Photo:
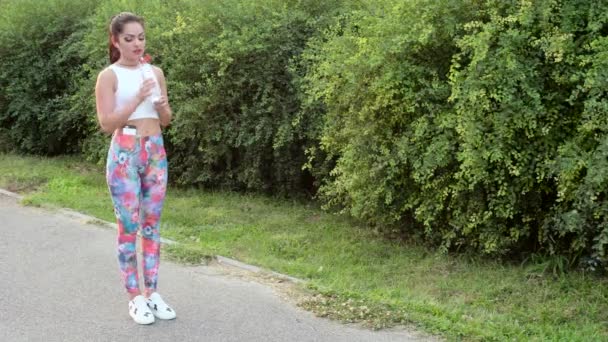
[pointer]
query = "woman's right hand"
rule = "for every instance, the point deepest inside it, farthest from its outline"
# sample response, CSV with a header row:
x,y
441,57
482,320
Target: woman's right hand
x,y
145,90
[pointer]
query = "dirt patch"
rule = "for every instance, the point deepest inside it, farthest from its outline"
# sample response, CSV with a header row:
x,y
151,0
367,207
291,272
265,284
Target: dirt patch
x,y
25,187
345,310
286,290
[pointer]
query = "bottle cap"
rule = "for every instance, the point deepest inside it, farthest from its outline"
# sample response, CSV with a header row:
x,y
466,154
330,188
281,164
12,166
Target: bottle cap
x,y
146,58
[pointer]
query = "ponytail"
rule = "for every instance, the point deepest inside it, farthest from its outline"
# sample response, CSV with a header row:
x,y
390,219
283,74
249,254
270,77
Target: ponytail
x,y
114,52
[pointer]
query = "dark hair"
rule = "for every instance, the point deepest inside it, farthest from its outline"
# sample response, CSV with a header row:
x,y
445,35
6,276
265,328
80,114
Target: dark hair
x,y
117,24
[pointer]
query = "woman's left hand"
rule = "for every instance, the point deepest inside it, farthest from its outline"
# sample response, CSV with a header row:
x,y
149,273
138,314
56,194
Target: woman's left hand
x,y
162,104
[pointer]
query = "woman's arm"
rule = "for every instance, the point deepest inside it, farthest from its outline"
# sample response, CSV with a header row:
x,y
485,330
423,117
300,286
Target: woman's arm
x,y
109,120
162,106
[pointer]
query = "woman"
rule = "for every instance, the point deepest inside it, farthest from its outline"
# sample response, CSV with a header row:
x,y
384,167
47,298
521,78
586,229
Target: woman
x,y
137,164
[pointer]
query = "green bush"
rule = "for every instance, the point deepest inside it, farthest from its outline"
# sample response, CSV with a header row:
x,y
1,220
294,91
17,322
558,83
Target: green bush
x,y
231,85
236,97
382,75
578,221
525,101
480,124
39,42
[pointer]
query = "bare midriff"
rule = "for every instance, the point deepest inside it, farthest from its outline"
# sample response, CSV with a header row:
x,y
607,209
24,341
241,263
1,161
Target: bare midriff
x,y
146,126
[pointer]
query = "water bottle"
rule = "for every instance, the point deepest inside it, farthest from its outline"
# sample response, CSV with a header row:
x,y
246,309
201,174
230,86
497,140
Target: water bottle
x,y
148,73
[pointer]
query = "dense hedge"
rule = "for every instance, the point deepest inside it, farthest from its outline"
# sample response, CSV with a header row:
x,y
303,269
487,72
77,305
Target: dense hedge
x,y
479,124
473,124
235,94
388,122
231,78
39,63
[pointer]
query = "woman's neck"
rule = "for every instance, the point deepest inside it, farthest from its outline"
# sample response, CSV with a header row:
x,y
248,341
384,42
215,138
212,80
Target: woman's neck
x,y
127,63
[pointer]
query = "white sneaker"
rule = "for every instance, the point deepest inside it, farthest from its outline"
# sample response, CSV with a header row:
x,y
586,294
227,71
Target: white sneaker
x,y
159,307
139,311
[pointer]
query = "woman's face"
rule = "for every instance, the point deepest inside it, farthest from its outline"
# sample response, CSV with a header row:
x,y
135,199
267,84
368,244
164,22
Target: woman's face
x,y
131,42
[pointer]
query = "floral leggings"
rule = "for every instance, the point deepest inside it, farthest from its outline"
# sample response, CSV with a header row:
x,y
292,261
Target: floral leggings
x,y
136,172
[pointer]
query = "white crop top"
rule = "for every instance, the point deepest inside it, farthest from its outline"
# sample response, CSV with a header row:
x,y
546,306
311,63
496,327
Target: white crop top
x,y
129,82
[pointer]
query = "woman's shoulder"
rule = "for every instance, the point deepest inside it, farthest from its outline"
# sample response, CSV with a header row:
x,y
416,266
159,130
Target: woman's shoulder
x,y
107,70
107,75
156,68
158,71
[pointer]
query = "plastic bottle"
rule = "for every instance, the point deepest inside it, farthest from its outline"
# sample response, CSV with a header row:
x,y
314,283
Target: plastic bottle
x,y
148,73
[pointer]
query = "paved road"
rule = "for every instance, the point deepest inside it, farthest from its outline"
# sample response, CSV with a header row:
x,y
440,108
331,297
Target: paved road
x,y
59,281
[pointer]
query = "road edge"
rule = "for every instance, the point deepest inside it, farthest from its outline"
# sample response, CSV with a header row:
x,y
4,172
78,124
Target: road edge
x,y
219,258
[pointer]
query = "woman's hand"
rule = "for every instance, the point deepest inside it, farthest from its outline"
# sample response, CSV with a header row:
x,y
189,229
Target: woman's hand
x,y
162,105
145,90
